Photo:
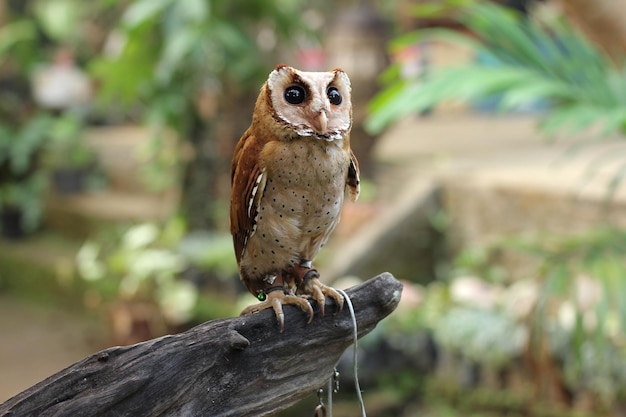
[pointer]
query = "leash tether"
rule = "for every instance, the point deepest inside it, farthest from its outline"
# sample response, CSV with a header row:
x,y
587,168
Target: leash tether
x,y
355,335
333,381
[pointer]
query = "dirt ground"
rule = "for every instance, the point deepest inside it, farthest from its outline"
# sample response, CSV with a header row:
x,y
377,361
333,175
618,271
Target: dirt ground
x,y
37,341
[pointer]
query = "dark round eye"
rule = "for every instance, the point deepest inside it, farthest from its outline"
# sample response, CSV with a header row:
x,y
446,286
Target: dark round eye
x,y
294,94
334,96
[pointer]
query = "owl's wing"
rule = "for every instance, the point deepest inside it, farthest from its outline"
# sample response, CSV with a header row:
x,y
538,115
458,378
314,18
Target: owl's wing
x,y
353,182
248,182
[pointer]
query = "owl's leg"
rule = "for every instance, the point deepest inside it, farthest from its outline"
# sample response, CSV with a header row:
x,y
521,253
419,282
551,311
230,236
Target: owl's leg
x,y
275,298
313,287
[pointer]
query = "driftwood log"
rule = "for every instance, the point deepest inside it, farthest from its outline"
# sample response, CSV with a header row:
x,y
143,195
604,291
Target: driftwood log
x,y
241,366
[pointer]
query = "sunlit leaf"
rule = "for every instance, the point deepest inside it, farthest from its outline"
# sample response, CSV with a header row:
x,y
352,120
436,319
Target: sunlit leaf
x,y
59,18
143,10
176,47
397,101
194,10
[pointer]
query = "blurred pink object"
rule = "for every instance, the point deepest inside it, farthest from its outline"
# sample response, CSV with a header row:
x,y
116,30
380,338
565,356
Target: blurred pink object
x,y
312,59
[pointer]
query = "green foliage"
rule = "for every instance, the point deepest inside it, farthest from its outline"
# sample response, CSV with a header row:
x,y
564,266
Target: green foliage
x,y
573,302
211,306
579,304
435,303
19,146
66,146
196,45
25,132
547,61
59,18
597,254
487,337
26,196
15,38
141,264
145,263
211,252
184,65
21,185
59,22
160,161
20,52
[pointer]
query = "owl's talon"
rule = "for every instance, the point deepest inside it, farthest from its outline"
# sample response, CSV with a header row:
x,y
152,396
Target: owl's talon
x,y
275,300
319,291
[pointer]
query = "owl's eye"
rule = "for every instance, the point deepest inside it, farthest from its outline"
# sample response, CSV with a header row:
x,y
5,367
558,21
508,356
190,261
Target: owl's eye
x,y
334,96
294,94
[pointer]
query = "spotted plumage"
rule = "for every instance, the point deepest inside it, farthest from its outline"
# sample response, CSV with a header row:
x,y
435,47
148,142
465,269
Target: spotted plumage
x,y
290,172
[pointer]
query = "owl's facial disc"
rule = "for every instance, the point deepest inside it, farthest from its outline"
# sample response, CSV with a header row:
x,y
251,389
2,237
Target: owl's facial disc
x,y
315,104
314,111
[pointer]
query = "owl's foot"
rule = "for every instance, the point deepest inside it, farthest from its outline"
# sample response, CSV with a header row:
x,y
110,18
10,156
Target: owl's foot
x,y
313,287
276,300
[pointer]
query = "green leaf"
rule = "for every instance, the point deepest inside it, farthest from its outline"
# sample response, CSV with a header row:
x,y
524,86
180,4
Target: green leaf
x,y
27,141
572,119
142,10
59,18
193,10
128,77
177,46
390,75
614,122
13,33
558,281
392,104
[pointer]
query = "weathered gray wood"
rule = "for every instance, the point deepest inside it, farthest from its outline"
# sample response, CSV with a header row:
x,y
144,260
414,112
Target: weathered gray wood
x,y
240,366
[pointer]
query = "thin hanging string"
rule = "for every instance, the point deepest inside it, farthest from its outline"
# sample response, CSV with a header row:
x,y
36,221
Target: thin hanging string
x,y
330,390
354,358
333,382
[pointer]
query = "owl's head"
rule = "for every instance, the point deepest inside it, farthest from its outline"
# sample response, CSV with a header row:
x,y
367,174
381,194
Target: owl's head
x,y
316,104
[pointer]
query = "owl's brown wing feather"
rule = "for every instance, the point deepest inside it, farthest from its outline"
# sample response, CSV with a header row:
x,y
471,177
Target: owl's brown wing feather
x,y
353,181
248,182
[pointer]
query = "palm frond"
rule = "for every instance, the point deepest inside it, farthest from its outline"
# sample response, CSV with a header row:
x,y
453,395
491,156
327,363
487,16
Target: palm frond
x,y
535,61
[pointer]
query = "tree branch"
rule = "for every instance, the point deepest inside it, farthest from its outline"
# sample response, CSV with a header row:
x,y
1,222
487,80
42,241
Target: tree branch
x,y
230,367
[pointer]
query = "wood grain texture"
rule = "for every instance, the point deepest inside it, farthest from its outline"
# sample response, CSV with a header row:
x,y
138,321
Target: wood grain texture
x,y
239,366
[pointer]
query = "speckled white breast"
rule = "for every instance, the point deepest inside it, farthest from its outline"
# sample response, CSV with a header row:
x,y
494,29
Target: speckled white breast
x,y
300,206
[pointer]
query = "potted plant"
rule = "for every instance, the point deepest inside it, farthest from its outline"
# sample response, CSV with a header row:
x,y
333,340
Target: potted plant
x,y
68,156
21,206
22,183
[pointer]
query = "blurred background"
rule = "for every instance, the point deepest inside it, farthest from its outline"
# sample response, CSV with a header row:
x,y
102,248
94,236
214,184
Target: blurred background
x,y
491,141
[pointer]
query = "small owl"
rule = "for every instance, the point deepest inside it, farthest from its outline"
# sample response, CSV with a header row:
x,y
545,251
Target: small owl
x,y
290,172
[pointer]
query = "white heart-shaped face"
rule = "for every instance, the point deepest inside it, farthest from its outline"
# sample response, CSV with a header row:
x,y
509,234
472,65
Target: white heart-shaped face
x,y
312,103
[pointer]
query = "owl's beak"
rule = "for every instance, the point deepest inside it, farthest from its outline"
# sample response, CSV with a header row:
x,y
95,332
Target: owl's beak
x,y
320,122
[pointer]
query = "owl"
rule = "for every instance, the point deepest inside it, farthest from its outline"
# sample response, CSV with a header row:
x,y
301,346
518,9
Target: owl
x,y
290,172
